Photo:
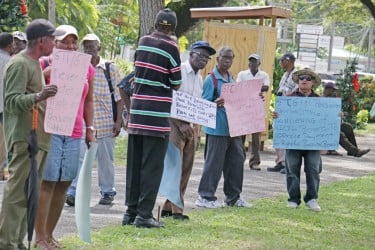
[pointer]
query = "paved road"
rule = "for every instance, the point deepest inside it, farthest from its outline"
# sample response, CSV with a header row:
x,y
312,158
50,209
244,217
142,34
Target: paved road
x,y
257,184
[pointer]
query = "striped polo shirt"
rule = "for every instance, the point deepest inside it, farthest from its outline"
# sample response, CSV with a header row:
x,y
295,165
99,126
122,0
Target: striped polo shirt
x,y
157,70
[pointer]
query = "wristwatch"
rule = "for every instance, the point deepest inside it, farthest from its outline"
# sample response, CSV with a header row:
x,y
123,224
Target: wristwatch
x,y
90,128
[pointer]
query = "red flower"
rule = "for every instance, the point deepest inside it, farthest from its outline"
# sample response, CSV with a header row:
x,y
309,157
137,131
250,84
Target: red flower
x,y
355,82
354,108
23,7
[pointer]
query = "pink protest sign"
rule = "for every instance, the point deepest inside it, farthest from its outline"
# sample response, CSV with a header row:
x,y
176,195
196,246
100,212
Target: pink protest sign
x,y
68,72
244,107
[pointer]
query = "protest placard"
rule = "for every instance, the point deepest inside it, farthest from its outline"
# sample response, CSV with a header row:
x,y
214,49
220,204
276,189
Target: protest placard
x,y
69,73
192,109
311,123
244,107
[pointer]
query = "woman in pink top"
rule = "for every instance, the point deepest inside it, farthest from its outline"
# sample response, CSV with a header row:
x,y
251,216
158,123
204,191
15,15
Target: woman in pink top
x,y
63,157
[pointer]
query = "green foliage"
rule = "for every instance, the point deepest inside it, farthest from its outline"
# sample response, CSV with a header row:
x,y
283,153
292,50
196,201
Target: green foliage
x,y
277,73
347,93
11,18
366,96
362,119
80,14
123,66
346,222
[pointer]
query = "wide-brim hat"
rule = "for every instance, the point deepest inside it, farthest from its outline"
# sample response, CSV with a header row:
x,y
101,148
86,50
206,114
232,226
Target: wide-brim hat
x,y
309,72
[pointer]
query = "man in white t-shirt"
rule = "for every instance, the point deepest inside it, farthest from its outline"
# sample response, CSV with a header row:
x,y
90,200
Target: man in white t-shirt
x,y
253,73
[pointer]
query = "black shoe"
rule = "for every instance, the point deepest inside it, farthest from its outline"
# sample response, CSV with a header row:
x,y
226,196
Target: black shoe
x,y
276,168
362,152
283,171
148,223
128,219
166,213
106,199
179,216
70,200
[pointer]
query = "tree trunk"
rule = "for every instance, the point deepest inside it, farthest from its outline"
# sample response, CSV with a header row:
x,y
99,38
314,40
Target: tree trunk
x,y
147,13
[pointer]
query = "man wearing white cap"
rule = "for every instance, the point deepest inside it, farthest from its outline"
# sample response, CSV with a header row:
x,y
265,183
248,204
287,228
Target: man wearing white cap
x,y
107,124
19,41
253,73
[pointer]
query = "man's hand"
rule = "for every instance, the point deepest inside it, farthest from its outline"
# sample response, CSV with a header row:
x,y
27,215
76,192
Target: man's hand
x,y
219,102
48,91
116,129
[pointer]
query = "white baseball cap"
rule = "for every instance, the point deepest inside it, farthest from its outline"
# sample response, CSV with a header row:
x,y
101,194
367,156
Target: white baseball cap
x,y
19,35
69,30
90,37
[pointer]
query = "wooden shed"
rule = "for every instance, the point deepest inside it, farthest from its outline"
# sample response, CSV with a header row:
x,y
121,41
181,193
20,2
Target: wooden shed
x,y
245,39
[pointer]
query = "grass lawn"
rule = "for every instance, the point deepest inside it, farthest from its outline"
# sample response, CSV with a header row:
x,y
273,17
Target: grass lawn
x,y
347,221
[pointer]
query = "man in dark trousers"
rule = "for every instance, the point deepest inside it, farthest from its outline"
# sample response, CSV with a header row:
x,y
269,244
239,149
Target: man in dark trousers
x,y
157,73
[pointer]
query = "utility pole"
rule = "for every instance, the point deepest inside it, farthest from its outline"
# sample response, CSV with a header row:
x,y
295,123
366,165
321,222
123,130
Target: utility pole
x,y
370,43
331,47
52,11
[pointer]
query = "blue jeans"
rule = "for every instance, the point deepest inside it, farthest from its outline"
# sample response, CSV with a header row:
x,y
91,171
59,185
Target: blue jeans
x,y
73,185
312,168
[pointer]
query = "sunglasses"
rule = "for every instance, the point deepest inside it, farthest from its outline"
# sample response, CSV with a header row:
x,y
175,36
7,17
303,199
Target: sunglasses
x,y
201,55
307,78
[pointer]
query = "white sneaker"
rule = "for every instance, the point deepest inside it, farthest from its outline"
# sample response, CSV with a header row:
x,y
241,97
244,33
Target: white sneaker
x,y
313,205
202,202
241,203
292,204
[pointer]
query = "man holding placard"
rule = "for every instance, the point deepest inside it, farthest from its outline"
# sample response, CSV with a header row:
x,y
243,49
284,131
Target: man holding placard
x,y
254,73
224,154
306,79
184,135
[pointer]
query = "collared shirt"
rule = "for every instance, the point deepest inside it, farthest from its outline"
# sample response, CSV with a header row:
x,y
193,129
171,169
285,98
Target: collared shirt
x,y
287,85
192,83
247,75
297,92
103,114
157,70
4,58
222,128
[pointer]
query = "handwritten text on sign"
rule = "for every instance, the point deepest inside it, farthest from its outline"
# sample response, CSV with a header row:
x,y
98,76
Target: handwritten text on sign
x,y
69,73
244,107
192,109
307,123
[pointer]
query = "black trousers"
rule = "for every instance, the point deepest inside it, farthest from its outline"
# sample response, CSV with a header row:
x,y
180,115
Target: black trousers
x,y
144,170
347,139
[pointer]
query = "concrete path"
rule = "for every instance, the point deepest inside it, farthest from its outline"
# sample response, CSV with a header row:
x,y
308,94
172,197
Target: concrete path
x,y
257,184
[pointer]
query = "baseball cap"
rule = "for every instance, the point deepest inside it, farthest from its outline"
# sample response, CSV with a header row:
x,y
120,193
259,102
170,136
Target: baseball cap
x,y
166,17
19,35
203,45
288,56
40,28
68,29
90,37
330,85
255,56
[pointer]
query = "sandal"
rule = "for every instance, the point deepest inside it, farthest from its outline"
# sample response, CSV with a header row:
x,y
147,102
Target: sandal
x,y
57,244
255,166
43,245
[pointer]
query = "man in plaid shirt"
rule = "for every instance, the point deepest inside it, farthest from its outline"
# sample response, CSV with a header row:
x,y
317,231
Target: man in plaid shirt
x,y
106,127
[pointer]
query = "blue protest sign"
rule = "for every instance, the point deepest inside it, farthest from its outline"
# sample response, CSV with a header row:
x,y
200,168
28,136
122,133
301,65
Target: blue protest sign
x,y
307,123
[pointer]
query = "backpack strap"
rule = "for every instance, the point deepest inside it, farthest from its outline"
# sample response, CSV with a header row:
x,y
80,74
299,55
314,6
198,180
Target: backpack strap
x,y
216,94
107,73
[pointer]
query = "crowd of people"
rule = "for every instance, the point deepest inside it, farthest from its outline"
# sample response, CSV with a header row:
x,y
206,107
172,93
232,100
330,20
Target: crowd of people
x,y
25,64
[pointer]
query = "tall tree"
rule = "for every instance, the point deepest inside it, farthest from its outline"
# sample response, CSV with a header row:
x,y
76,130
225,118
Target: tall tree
x,y
147,12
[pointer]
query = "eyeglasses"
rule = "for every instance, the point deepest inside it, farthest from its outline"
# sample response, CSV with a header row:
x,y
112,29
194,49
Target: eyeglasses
x,y
307,78
202,55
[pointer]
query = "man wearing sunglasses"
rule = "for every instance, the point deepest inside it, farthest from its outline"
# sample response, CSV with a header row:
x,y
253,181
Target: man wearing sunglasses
x,y
286,86
184,135
307,79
